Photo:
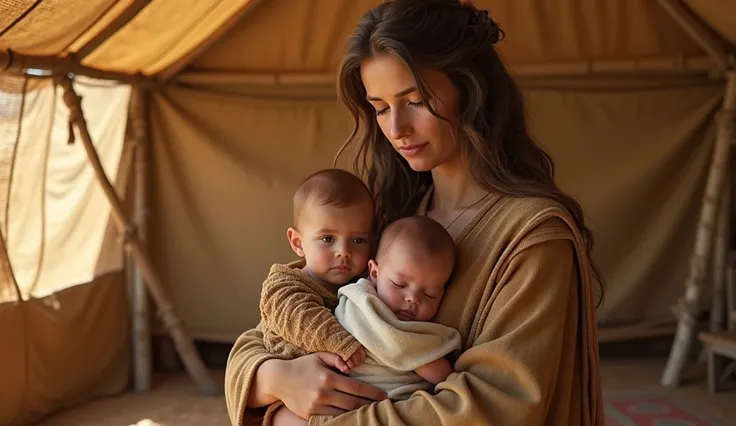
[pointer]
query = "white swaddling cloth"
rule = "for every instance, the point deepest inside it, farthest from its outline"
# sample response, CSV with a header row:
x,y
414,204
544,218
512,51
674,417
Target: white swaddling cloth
x,y
394,348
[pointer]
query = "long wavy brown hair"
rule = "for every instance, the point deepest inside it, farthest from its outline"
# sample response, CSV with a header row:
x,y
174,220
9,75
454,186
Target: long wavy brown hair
x,y
492,134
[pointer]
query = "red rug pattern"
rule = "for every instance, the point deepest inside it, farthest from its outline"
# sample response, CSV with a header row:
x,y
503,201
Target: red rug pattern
x,y
650,410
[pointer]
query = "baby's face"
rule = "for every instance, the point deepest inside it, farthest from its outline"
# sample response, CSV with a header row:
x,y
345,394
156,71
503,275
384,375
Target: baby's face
x,y
335,241
411,286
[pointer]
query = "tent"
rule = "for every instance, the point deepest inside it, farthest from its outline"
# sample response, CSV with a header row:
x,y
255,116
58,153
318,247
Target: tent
x,y
205,115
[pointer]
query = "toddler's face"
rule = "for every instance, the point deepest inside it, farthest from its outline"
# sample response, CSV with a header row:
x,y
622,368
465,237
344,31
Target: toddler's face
x,y
335,241
411,286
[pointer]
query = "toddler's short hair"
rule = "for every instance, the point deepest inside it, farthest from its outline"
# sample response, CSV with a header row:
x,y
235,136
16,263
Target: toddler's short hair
x,y
335,187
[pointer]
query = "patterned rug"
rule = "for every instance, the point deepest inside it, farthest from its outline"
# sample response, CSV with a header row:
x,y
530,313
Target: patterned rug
x,y
650,410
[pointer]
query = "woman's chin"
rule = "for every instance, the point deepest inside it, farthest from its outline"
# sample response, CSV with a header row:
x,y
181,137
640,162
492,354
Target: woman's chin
x,y
420,164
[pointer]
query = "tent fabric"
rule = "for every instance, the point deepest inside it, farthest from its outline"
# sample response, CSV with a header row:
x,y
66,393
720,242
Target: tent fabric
x,y
537,33
164,32
57,214
720,15
227,167
65,349
226,161
64,254
160,34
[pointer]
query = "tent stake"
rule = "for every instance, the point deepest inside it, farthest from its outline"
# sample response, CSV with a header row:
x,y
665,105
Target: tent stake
x,y
688,305
133,244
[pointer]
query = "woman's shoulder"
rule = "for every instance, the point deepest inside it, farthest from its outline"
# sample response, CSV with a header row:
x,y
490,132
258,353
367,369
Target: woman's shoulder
x,y
530,219
522,211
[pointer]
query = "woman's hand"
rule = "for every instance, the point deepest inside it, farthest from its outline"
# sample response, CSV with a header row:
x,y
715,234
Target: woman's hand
x,y
307,386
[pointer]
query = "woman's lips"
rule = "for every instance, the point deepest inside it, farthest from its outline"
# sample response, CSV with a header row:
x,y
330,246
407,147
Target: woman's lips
x,y
412,150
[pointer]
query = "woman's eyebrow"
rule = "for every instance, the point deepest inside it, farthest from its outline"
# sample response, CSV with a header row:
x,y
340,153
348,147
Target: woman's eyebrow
x,y
397,95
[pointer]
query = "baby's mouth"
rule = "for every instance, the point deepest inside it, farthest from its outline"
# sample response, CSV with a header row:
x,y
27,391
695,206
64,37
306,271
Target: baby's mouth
x,y
405,315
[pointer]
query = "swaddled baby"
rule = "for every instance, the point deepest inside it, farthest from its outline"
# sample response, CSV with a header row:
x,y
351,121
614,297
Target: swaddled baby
x,y
389,313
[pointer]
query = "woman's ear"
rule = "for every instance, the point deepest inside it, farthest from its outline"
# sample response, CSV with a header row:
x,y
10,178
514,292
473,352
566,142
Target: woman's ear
x,y
373,270
295,241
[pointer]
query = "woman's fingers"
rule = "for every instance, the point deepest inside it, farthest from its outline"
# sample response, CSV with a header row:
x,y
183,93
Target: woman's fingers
x,y
327,410
353,387
341,401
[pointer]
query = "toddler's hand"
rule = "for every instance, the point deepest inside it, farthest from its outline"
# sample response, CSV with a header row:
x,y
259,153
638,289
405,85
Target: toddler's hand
x,y
357,358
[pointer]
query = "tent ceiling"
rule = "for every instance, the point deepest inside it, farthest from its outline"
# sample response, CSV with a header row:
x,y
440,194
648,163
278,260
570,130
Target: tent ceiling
x,y
720,16
537,32
153,34
155,37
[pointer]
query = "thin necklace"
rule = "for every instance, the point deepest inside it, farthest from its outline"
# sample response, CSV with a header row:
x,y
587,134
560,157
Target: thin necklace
x,y
466,209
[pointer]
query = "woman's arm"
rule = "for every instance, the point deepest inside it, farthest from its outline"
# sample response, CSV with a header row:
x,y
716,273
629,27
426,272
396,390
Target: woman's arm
x,y
516,364
241,387
255,378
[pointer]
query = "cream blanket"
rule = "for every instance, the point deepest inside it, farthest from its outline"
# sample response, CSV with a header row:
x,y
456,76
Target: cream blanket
x,y
394,348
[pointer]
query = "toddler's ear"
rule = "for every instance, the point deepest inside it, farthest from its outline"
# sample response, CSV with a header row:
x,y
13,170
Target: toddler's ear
x,y
372,271
295,241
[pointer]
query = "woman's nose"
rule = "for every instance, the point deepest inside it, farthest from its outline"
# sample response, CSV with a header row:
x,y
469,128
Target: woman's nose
x,y
400,127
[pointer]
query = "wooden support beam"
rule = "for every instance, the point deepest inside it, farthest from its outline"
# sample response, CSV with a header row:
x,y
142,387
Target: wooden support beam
x,y
720,259
688,305
142,359
698,31
15,63
665,65
133,244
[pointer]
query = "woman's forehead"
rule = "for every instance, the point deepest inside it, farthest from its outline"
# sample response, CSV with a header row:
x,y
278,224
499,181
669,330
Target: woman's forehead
x,y
386,78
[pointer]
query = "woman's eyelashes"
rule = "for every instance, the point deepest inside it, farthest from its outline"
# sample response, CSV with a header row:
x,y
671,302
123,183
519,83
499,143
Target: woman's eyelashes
x,y
411,104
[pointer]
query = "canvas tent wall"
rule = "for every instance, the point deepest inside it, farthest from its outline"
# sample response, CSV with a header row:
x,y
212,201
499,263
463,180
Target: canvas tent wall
x,y
243,106
63,324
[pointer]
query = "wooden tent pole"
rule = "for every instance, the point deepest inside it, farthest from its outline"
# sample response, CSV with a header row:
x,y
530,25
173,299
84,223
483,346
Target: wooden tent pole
x,y
16,63
142,363
661,65
688,305
183,342
698,31
720,258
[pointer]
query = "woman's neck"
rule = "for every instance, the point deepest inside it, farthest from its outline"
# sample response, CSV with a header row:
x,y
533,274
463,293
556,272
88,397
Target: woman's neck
x,y
453,188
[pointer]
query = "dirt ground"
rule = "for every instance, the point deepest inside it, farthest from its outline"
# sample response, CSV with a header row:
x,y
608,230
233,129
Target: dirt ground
x,y
174,400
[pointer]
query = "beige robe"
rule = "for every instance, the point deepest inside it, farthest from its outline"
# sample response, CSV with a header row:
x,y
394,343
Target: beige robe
x,y
394,348
522,299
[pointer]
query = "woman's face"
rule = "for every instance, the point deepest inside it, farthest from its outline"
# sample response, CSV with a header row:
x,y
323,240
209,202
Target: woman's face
x,y
424,140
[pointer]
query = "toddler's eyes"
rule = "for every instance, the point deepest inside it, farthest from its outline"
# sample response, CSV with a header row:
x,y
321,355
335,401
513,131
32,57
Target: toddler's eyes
x,y
397,285
360,240
327,239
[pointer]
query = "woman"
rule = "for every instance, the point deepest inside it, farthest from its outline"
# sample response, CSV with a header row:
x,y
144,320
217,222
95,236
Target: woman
x,y
444,126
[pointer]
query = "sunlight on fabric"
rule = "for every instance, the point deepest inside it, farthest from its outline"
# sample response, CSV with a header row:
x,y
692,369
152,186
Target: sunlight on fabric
x,y
56,215
146,422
